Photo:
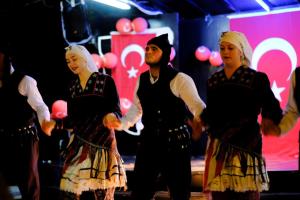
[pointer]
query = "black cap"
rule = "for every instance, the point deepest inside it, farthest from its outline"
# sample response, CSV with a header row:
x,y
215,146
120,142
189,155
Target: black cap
x,y
163,43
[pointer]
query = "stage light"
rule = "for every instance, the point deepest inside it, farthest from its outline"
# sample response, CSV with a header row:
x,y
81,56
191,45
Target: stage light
x,y
263,4
255,14
121,4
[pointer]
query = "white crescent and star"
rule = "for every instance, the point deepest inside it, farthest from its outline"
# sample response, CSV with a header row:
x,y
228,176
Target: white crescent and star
x,y
132,72
275,44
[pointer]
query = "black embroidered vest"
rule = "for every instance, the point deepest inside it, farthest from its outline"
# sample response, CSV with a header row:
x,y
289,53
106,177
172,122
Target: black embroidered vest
x,y
161,108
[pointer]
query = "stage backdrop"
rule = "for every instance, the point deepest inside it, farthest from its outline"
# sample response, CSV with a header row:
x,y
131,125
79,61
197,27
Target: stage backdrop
x,y
275,41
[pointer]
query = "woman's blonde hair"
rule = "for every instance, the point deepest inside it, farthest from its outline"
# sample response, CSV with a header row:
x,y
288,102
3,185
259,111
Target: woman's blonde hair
x,y
83,53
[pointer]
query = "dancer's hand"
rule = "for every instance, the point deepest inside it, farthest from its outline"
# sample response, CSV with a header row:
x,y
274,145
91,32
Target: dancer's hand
x,y
111,121
197,127
48,126
268,127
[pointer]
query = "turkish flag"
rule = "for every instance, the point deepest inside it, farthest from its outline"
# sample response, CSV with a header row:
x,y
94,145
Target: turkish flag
x,y
276,48
129,48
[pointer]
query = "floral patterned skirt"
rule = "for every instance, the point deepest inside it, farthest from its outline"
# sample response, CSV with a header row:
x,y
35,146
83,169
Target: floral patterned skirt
x,y
235,174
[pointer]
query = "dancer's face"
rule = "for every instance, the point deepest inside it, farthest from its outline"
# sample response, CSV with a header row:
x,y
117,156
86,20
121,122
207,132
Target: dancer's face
x,y
153,54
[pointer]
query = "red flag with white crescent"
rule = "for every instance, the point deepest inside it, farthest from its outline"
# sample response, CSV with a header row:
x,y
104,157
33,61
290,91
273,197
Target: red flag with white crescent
x,y
129,49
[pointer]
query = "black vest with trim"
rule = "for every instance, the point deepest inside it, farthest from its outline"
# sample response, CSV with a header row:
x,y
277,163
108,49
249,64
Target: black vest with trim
x,y
15,110
297,87
161,108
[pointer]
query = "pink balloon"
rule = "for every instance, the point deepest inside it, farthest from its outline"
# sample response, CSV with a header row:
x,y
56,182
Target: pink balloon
x,y
202,53
110,60
173,53
215,59
59,109
97,59
139,24
123,25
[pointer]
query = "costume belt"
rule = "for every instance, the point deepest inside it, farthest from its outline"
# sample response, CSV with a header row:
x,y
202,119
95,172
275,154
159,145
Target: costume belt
x,y
179,128
25,130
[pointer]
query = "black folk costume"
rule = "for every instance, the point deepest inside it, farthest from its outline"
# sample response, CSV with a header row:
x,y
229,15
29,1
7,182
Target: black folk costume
x,y
19,147
92,160
234,153
163,104
164,141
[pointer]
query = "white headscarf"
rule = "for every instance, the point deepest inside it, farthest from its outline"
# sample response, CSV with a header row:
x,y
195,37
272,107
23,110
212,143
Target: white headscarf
x,y
240,41
83,53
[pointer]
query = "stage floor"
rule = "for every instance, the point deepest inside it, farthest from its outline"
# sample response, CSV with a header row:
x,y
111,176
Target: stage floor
x,y
280,171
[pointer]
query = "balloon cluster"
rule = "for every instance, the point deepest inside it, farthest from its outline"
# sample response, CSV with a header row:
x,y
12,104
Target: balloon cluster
x,y
108,60
124,25
202,53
